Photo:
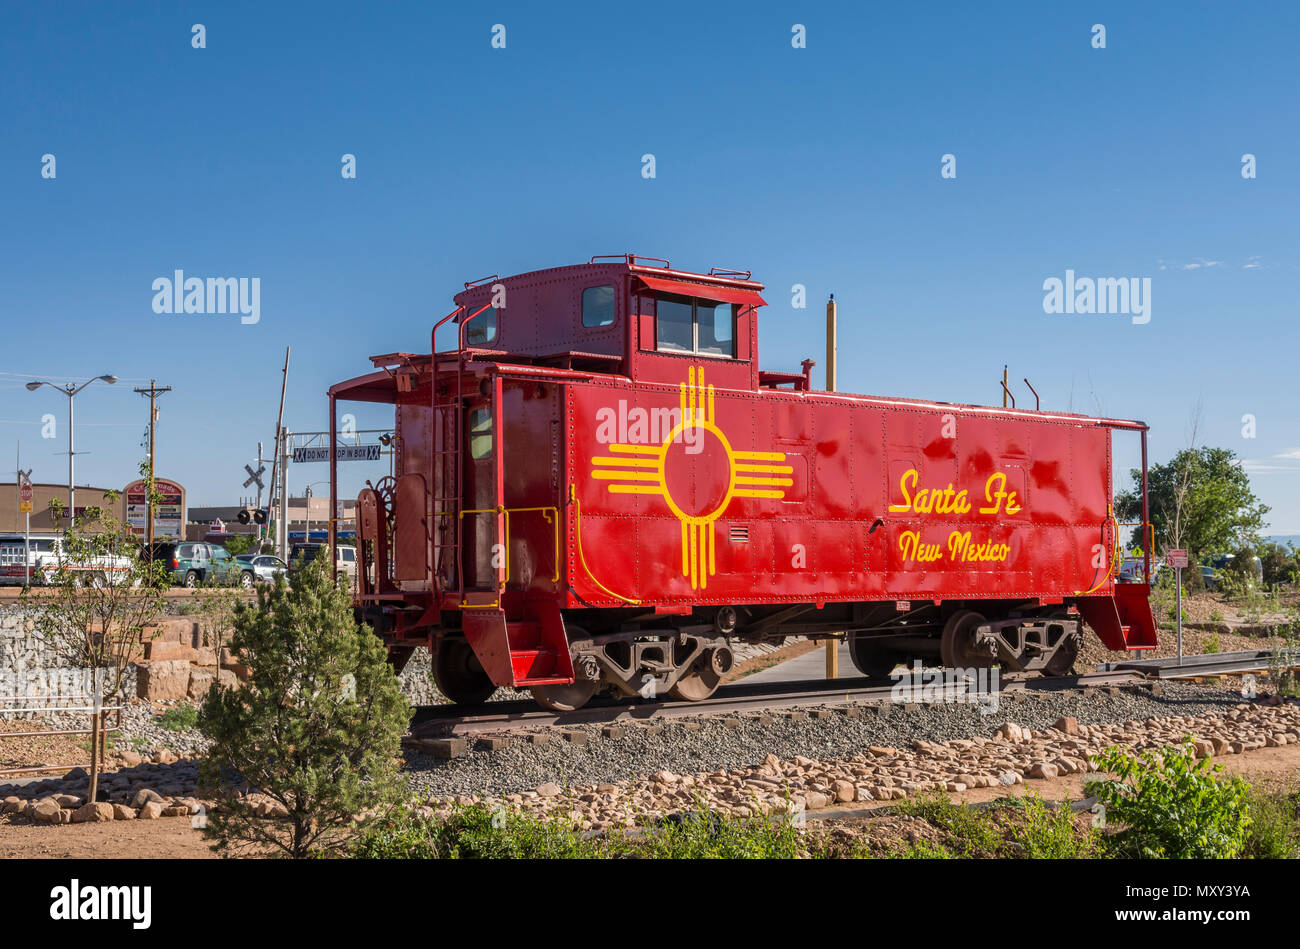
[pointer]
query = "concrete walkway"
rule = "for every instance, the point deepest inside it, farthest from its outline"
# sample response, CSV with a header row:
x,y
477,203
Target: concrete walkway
x,y
811,665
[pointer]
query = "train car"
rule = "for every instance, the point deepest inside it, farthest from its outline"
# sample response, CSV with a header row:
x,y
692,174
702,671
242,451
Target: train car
x,y
597,489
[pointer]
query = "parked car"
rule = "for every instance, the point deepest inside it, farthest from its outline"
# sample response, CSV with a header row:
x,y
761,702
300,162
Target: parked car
x,y
1210,577
45,557
265,566
193,565
345,557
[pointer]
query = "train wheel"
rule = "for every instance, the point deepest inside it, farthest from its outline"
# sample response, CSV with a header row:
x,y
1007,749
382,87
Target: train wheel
x,y
870,658
565,698
957,646
703,678
458,675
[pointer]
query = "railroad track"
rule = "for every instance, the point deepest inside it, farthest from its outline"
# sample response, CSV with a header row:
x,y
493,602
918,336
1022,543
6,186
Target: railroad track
x,y
432,722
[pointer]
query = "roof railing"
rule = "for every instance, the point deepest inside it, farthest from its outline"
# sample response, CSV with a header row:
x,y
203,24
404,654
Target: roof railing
x,y
631,259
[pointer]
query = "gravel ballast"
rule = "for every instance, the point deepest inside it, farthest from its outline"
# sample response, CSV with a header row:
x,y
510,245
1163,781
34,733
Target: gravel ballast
x,y
715,746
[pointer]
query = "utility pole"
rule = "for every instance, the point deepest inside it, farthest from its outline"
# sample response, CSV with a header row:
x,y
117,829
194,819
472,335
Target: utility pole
x,y
281,450
282,534
152,392
832,329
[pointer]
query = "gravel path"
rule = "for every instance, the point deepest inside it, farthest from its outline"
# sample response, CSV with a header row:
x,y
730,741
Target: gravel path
x,y
714,746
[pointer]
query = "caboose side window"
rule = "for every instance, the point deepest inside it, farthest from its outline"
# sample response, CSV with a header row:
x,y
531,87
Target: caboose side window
x,y
482,329
688,325
480,433
598,306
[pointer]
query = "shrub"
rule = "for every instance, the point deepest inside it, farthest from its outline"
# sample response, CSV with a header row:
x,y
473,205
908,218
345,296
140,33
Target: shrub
x,y
317,728
478,832
180,718
1170,804
973,833
1274,825
1048,833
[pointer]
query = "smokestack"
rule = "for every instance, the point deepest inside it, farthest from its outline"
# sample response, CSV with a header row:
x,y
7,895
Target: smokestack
x,y
830,343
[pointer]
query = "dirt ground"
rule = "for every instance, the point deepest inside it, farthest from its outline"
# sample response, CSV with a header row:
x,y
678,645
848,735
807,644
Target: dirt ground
x,y
175,837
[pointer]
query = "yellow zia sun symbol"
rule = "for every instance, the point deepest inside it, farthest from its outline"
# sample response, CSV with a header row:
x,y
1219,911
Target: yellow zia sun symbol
x,y
641,469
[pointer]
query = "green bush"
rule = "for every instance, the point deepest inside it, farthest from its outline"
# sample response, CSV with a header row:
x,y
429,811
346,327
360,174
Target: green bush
x,y
478,832
973,833
1274,825
1048,833
180,718
1170,804
700,835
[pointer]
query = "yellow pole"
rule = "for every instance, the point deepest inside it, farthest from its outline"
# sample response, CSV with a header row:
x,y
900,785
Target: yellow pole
x,y
832,645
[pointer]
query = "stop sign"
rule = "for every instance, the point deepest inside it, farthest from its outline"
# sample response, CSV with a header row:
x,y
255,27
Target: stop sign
x,y
25,493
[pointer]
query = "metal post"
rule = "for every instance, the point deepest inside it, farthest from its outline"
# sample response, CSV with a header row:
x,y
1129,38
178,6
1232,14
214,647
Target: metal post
x,y
72,491
283,533
258,527
332,535
1178,582
832,332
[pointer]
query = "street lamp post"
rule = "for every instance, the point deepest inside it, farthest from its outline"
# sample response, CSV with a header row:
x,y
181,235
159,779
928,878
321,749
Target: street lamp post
x,y
70,390
307,534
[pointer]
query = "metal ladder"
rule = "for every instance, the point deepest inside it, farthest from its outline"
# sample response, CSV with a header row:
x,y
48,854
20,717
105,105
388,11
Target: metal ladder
x,y
449,433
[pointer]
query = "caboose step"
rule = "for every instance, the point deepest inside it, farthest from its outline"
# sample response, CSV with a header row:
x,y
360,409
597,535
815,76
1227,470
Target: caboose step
x,y
520,653
530,659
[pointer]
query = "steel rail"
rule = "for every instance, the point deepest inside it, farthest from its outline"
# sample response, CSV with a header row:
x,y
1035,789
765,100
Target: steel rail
x,y
444,721
1223,663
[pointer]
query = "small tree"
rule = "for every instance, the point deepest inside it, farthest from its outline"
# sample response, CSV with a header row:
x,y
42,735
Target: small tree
x,y
317,728
103,596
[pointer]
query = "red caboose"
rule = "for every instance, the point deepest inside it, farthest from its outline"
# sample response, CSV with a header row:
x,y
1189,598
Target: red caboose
x,y
598,489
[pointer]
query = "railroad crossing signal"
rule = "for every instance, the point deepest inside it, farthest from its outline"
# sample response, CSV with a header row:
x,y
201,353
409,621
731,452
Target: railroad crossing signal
x,y
255,477
25,493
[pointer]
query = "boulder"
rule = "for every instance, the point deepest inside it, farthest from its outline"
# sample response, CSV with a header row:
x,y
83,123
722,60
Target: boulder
x,y
165,649
122,812
163,679
200,682
44,811
1067,724
93,813
144,796
152,810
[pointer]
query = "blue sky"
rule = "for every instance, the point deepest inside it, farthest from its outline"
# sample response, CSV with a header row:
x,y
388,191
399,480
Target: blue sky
x,y
816,166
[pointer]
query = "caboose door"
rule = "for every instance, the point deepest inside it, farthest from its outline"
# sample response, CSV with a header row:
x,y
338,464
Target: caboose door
x,y
482,519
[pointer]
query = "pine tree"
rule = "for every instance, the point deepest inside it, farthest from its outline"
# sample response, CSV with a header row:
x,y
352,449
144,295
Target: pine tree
x,y
317,728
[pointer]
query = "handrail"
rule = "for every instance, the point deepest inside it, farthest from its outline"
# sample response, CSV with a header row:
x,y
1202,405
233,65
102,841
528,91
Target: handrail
x,y
552,515
577,534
